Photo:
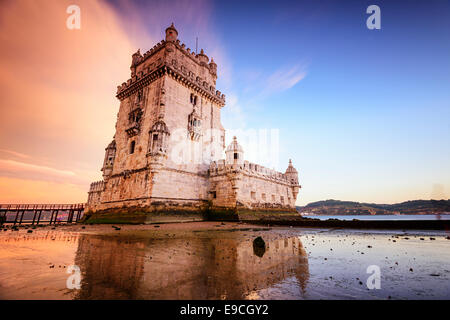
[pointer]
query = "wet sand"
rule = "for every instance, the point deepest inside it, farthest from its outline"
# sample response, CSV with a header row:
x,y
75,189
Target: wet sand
x,y
214,260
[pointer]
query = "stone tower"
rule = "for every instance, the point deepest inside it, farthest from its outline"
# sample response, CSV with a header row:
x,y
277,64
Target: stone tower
x,y
167,150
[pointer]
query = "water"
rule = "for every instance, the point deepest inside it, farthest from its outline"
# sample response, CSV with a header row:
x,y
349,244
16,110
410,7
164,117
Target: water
x,y
213,261
384,217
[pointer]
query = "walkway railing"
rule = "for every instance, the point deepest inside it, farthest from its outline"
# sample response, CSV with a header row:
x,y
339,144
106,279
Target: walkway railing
x,y
40,213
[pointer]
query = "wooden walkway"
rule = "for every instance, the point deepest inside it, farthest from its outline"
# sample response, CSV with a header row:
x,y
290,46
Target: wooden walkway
x,y
72,213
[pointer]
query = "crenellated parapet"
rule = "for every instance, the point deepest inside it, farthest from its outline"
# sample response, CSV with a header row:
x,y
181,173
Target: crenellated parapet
x,y
220,167
161,60
97,186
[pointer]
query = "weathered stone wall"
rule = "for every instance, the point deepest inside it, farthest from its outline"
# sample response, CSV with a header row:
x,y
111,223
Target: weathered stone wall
x,y
172,184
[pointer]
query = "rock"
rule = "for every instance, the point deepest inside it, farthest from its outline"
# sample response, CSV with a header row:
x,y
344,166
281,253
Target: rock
x,y
259,247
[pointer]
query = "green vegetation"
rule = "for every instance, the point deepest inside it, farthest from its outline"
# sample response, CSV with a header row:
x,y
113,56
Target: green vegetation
x,y
336,207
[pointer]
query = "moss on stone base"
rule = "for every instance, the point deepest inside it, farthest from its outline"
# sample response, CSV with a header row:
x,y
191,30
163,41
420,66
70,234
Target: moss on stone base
x,y
137,215
163,214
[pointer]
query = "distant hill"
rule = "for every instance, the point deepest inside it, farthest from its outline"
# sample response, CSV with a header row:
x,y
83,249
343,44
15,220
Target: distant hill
x,y
336,207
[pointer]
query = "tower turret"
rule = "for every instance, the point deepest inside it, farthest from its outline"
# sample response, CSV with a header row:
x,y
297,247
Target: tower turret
x,y
234,153
110,154
203,58
171,34
213,69
291,173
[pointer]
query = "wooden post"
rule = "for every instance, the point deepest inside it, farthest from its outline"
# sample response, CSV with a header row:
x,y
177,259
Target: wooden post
x,y
34,215
21,217
56,215
51,218
17,215
39,217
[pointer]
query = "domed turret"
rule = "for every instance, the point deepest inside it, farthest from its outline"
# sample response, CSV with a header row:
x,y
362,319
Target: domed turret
x,y
171,33
213,68
203,58
108,163
234,152
291,173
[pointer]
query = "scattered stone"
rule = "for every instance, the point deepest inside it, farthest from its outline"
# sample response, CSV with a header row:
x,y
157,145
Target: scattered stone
x,y
360,283
434,274
394,240
259,247
422,238
411,269
369,246
431,238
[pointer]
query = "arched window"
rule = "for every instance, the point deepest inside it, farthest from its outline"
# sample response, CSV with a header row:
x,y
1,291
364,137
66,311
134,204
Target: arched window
x,y
132,146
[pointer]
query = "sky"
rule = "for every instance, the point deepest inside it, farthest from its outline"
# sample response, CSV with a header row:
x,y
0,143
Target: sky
x,y
363,114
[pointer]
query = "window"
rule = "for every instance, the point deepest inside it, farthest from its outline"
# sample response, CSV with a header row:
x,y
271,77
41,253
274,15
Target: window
x,y
132,146
282,199
273,198
236,156
214,194
253,195
263,196
140,95
155,137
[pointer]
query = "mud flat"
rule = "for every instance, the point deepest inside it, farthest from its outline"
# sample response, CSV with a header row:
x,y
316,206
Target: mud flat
x,y
221,260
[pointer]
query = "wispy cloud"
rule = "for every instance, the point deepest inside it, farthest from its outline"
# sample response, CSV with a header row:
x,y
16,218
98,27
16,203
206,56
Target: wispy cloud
x,y
285,78
22,167
15,154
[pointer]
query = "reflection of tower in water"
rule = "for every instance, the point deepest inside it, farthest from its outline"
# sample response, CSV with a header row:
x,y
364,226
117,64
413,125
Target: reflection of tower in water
x,y
195,267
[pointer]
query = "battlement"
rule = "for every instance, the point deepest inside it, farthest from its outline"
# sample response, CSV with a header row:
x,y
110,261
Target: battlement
x,y
169,56
220,167
174,68
97,186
